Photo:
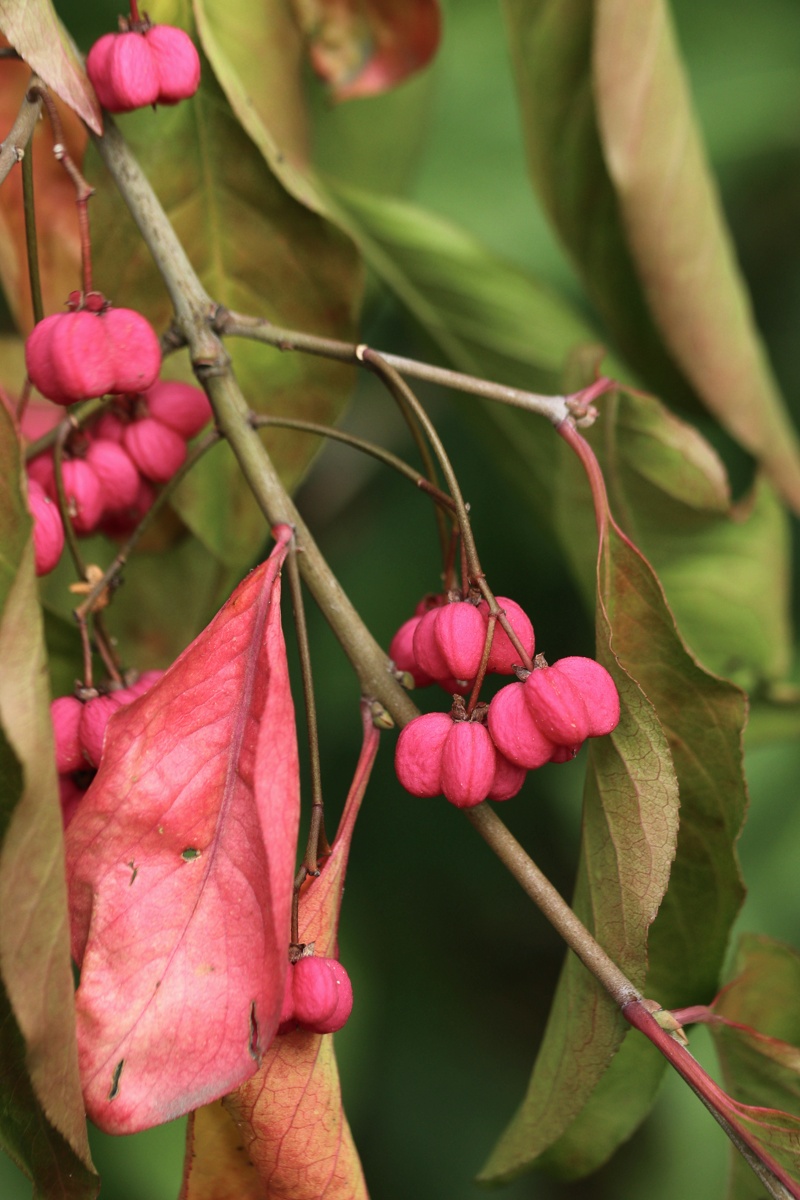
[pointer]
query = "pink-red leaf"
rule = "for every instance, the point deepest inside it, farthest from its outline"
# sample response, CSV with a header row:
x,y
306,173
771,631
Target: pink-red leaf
x,y
180,861
363,49
290,1114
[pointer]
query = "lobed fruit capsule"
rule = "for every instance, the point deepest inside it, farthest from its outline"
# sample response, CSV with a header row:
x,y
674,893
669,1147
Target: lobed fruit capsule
x,y
156,65
79,355
48,529
502,655
180,406
322,995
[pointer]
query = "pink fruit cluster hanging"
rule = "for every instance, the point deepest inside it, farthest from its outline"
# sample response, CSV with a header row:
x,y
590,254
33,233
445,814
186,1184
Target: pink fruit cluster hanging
x,y
110,469
79,727
482,752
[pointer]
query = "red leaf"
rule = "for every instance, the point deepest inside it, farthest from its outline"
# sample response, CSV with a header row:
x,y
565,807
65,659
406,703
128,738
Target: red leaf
x,y
180,863
289,1114
365,47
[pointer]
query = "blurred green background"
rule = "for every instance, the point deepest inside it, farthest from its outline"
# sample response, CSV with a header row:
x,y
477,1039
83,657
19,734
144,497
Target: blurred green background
x,y
452,967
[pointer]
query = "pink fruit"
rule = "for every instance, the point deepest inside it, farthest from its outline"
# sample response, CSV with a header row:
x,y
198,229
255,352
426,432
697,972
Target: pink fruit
x,y
502,656
468,764
460,633
82,354
401,652
514,731
344,1000
94,720
117,473
41,470
157,450
429,657
48,529
179,405
84,495
177,63
137,68
598,690
123,72
563,754
508,779
65,713
108,427
557,707
134,348
418,754
314,989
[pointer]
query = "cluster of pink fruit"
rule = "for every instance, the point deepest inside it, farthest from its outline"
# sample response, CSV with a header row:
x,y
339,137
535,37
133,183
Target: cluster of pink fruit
x,y
109,469
79,727
485,753
318,996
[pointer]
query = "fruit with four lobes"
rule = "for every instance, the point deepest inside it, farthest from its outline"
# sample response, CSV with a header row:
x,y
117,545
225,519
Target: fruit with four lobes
x,y
502,655
180,406
439,755
79,355
156,65
321,996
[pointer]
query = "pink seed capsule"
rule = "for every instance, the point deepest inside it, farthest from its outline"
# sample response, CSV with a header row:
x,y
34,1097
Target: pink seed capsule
x,y
48,529
179,405
557,706
84,495
597,689
401,652
418,754
157,451
468,764
502,656
344,1000
176,62
81,356
508,779
39,361
429,657
65,713
459,632
94,721
123,72
513,730
117,473
315,991
134,350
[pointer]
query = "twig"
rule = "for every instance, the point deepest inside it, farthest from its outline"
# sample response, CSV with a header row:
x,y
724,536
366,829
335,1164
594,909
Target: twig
x,y
21,132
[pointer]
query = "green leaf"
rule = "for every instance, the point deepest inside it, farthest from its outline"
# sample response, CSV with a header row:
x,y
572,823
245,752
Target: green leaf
x,y
760,1050
630,827
257,250
724,566
42,1122
638,210
487,316
700,720
35,31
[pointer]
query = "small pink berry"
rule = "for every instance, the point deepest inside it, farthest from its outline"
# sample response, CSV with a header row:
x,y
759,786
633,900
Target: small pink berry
x,y
426,650
84,495
344,1000
598,690
563,754
179,405
121,524
116,471
401,652
48,529
81,358
123,72
39,360
468,764
176,61
418,754
314,989
66,713
502,656
94,720
134,349
157,451
557,706
460,633
508,779
108,428
514,731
